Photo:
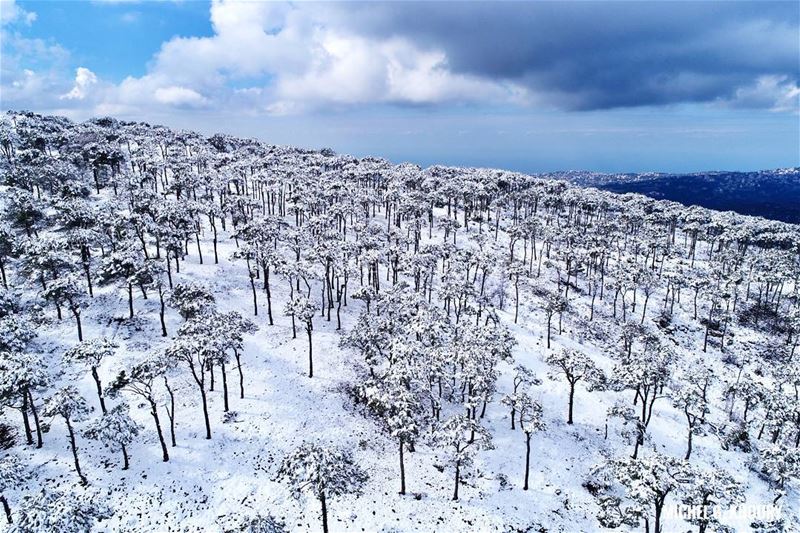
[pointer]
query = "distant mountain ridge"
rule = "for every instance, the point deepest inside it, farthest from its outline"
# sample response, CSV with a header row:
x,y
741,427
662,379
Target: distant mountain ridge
x,y
773,194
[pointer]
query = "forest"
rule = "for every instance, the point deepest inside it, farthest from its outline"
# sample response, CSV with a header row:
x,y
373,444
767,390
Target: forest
x,y
219,334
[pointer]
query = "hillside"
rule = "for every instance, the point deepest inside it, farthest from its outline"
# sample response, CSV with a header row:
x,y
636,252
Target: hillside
x,y
280,339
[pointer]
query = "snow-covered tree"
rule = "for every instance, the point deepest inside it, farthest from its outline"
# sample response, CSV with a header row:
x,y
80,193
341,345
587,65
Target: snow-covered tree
x,y
324,472
646,483
140,380
68,404
393,400
781,464
645,372
191,299
13,474
8,248
127,267
575,366
257,523
235,327
16,332
91,353
711,489
694,407
115,429
554,304
20,375
67,291
65,512
303,310
523,377
460,438
633,429
199,345
530,421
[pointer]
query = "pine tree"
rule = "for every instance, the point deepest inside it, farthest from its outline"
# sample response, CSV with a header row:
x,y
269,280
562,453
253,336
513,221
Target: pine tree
x,y
140,381
257,524
781,464
67,291
115,429
575,366
304,311
65,512
12,475
461,437
235,327
199,345
324,472
391,397
67,403
530,421
191,299
91,353
20,375
711,488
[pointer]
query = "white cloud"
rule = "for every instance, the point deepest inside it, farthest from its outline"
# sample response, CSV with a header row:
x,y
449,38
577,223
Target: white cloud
x,y
291,58
10,12
777,93
350,69
179,96
84,80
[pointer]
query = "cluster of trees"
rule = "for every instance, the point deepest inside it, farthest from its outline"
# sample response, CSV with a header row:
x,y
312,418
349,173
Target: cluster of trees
x,y
441,262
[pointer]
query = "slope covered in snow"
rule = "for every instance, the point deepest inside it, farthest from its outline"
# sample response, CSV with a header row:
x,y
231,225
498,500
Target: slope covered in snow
x,y
447,305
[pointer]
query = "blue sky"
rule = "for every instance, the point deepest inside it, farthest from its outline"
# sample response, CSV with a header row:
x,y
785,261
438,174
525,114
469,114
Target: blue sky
x,y
529,86
118,39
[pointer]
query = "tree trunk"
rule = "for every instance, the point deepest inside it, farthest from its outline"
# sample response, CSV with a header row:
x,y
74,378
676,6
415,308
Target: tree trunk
x,y
310,355
527,458
130,300
253,288
80,329
35,420
125,464
657,521
269,295
644,307
171,411
224,386
154,412
324,511
75,452
458,474
25,420
6,508
205,412
161,313
241,376
99,389
402,470
571,401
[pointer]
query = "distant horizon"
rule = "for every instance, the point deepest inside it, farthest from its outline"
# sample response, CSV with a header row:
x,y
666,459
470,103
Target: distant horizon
x,y
211,131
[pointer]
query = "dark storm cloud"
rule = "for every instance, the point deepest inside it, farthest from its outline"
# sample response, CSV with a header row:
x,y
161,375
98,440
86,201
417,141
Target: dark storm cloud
x,y
597,55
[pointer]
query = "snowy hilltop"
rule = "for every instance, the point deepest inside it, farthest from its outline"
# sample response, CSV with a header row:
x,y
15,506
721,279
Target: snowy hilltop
x,y
217,334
